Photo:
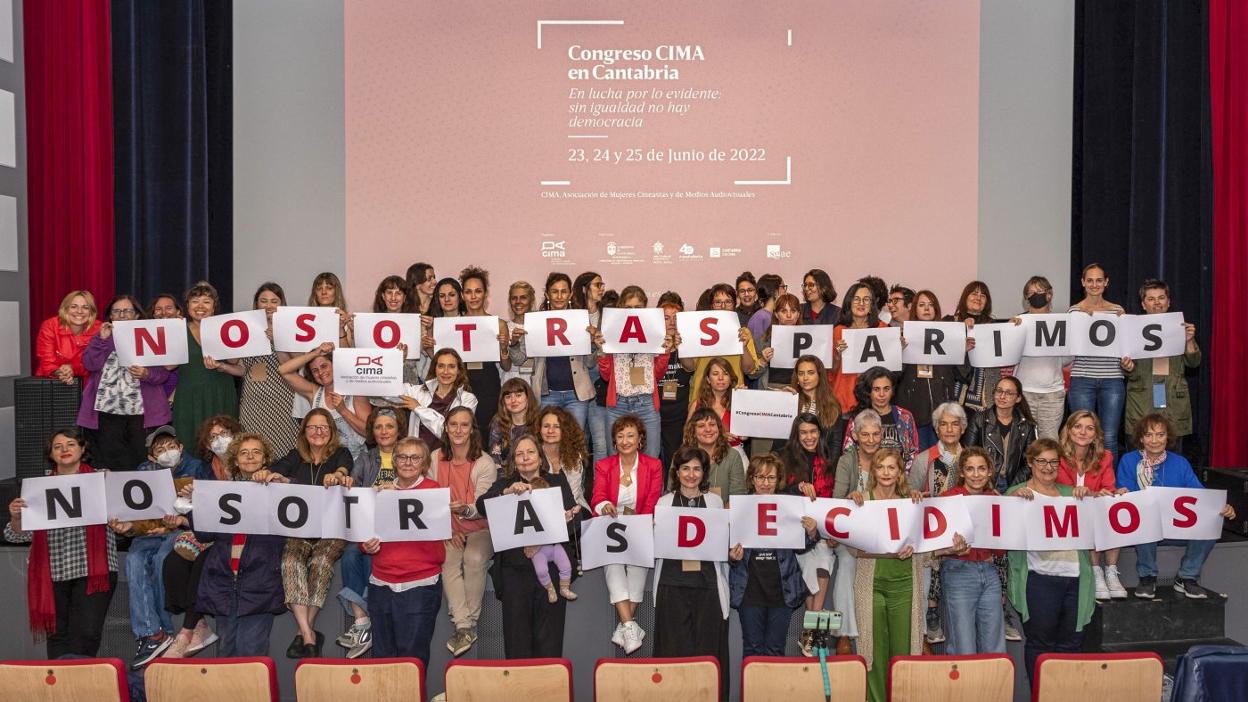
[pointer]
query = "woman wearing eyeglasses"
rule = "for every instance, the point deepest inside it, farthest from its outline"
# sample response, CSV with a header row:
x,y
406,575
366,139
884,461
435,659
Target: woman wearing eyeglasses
x,y
859,312
120,405
1052,590
1005,431
820,293
375,467
308,564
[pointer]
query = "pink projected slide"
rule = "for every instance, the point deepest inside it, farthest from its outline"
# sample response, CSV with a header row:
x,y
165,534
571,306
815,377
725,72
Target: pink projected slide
x,y
663,143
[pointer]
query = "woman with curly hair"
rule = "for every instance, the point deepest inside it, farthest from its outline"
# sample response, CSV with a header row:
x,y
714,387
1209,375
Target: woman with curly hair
x,y
563,443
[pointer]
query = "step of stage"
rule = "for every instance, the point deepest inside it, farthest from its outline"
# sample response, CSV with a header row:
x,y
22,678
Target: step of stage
x,y
1168,624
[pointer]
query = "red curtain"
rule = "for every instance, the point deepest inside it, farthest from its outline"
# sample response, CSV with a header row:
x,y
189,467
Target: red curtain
x,y
1228,359
69,146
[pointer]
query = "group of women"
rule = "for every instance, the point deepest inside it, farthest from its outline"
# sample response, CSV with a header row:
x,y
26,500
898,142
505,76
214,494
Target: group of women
x,y
617,434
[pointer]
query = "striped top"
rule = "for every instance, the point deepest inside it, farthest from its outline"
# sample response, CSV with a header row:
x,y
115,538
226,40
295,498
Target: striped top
x,y
1096,366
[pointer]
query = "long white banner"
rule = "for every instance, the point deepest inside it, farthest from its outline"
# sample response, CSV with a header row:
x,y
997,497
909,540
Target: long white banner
x,y
757,521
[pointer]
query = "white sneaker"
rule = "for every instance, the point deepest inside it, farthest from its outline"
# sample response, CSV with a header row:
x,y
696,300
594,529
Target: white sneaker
x,y
633,635
1102,591
1113,584
617,638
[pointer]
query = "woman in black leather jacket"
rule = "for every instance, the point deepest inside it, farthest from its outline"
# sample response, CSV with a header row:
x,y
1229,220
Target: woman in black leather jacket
x,y
1005,430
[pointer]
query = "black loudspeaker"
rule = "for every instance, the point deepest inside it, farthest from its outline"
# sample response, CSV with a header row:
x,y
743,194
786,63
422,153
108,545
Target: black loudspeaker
x,y
40,407
1235,482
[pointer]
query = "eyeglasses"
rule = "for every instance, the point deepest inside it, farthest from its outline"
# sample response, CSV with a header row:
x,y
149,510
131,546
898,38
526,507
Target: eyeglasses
x,y
317,429
404,459
1004,393
123,311
1048,462
765,478
861,300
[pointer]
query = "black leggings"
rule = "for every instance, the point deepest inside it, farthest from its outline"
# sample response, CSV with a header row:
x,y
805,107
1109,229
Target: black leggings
x,y
182,586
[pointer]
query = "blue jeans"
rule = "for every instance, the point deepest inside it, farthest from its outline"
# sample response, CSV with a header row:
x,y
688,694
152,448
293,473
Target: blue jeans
x,y
1189,568
356,567
1105,397
599,432
579,409
643,407
243,637
145,570
1052,617
403,621
971,597
764,630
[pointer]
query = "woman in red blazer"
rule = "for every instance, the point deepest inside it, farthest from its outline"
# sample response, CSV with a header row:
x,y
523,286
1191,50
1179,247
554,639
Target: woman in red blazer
x,y
627,482
61,339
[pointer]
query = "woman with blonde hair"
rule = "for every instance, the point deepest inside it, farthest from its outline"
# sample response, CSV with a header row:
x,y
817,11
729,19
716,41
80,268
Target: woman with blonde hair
x,y
62,339
1088,468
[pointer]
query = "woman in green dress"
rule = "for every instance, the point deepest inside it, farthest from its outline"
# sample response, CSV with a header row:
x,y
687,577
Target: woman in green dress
x,y
205,385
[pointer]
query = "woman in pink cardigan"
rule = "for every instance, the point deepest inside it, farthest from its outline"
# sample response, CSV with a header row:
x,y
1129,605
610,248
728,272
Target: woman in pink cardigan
x,y
627,482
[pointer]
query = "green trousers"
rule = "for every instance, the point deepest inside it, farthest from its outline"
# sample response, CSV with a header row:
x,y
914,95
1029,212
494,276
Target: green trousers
x,y
891,601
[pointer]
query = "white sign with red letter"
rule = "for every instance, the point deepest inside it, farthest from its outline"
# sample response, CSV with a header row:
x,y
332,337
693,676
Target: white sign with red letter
x,y
691,533
1190,514
557,333
301,329
387,331
238,335
843,521
150,342
1126,520
998,522
368,372
474,338
767,521
942,518
708,334
1059,524
626,539
633,330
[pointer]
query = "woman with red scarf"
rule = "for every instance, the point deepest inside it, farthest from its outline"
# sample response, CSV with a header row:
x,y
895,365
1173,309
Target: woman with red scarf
x,y
72,572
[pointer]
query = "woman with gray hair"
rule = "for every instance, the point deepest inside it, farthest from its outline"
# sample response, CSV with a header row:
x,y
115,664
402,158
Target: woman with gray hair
x,y
851,476
934,471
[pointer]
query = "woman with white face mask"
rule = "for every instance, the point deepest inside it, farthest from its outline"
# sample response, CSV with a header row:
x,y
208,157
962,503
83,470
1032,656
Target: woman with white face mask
x,y
212,442
153,541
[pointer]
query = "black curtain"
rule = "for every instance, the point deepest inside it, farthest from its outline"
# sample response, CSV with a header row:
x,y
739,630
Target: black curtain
x,y
1142,168
172,106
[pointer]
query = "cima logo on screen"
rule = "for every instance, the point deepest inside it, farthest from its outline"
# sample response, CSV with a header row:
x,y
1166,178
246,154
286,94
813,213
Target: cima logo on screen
x,y
554,249
368,365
